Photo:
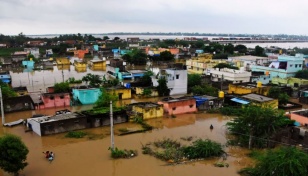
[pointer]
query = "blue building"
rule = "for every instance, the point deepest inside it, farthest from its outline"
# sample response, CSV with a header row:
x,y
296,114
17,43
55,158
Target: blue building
x,y
284,67
86,95
5,77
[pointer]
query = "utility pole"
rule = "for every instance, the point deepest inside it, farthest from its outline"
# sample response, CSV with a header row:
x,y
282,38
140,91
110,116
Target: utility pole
x,y
221,82
111,126
2,110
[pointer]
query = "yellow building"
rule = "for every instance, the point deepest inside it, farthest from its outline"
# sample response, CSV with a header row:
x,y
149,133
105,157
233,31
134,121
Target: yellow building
x,y
139,91
80,66
148,110
293,82
63,61
97,65
241,89
121,92
202,63
260,100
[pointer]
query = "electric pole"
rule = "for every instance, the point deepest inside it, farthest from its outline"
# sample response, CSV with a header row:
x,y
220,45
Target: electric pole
x,y
111,126
2,110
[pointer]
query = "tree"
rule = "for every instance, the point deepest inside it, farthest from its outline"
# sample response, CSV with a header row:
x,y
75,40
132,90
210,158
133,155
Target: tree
x,y
199,44
105,98
138,57
255,125
94,80
275,92
162,87
259,51
166,56
282,161
146,79
7,91
61,87
13,154
105,38
204,90
193,80
116,38
240,48
147,92
303,74
229,48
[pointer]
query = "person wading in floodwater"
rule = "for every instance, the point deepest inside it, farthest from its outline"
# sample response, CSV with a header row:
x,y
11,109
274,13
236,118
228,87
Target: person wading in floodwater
x,y
211,127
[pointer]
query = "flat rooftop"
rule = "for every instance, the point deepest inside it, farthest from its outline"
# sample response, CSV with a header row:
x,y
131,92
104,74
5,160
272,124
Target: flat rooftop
x,y
47,119
256,97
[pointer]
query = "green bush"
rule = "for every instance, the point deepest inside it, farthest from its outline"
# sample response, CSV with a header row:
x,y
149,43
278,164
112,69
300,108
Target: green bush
x,y
118,153
203,149
75,134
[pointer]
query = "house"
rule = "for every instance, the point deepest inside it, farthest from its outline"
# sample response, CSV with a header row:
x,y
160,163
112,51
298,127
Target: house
x,y
80,53
80,66
85,95
176,77
101,117
28,64
205,102
147,110
121,92
137,74
173,106
290,81
36,43
260,100
247,61
232,75
247,88
5,77
300,116
20,103
63,121
285,67
115,66
132,39
202,64
34,51
97,64
19,56
6,62
54,100
262,77
63,61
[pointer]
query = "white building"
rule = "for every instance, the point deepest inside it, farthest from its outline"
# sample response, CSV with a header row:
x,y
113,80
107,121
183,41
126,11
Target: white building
x,y
248,61
235,76
177,80
34,51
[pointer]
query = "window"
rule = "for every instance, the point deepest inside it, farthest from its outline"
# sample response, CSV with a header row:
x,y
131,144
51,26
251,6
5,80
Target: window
x,y
295,65
291,65
177,76
61,96
300,65
264,78
51,97
191,106
174,108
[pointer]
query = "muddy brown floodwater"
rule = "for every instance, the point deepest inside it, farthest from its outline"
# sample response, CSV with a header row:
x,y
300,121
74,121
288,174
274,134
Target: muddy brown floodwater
x,y
90,156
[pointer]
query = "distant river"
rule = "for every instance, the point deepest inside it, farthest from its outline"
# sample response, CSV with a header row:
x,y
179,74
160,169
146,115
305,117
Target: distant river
x,y
249,45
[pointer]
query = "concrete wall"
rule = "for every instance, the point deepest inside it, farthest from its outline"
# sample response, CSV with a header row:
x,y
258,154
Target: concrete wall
x,y
179,107
150,112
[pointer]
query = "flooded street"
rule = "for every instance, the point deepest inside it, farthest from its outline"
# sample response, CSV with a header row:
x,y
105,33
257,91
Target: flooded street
x,y
90,155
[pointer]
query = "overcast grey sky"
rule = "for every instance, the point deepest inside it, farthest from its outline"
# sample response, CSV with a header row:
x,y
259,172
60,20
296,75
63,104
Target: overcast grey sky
x,y
203,16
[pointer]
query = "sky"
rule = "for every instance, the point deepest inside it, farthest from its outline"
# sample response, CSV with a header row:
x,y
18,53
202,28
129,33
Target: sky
x,y
34,17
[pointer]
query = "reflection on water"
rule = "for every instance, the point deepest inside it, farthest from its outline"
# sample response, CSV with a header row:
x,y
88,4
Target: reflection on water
x,y
91,156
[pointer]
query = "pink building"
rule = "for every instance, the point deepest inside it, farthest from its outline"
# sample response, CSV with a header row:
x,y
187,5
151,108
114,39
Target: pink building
x,y
52,100
300,116
181,105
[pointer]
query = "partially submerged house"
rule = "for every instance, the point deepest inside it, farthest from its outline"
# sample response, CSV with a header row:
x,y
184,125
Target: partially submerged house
x,y
255,99
147,110
205,102
53,100
173,106
121,91
85,95
20,103
5,77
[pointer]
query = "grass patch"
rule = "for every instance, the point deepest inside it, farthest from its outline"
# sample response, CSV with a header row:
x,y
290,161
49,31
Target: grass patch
x,y
173,151
75,134
118,153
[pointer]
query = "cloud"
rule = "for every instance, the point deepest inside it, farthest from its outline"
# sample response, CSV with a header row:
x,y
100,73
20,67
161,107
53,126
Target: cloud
x,y
99,16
